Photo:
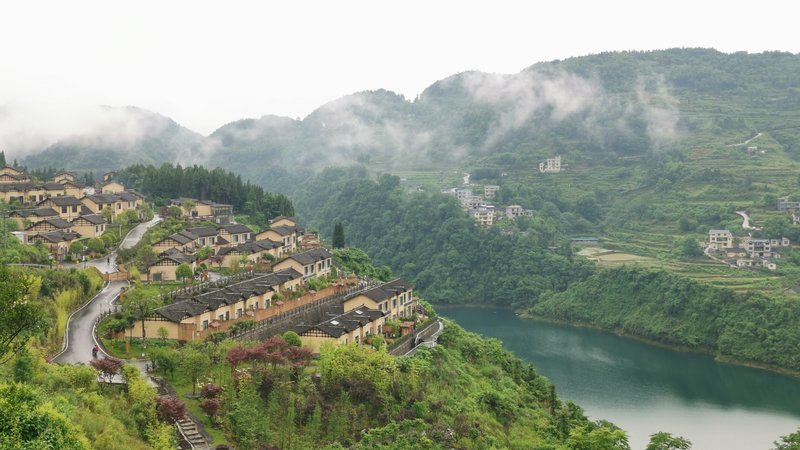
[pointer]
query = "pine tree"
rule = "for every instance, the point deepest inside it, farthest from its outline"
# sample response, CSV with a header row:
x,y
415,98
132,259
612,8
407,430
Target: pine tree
x,y
338,235
2,159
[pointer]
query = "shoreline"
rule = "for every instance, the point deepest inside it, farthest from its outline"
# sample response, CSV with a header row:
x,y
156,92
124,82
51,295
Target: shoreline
x,y
708,351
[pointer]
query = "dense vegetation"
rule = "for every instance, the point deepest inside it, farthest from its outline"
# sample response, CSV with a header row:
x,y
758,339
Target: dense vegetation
x,y
466,393
427,239
674,310
168,181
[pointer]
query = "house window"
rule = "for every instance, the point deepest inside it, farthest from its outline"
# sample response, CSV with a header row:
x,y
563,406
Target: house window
x,y
227,315
119,205
306,270
356,339
235,238
63,210
256,305
221,317
239,313
205,324
394,303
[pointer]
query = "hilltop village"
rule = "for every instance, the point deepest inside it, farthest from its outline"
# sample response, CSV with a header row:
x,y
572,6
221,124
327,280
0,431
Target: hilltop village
x,y
263,279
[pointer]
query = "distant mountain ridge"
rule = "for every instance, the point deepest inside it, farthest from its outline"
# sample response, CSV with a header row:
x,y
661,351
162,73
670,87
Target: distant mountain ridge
x,y
590,109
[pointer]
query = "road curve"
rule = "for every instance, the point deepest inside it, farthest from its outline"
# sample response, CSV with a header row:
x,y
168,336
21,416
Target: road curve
x,y
80,333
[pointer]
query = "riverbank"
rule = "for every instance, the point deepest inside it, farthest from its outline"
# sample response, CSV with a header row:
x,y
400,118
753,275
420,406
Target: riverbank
x,y
708,351
645,388
619,331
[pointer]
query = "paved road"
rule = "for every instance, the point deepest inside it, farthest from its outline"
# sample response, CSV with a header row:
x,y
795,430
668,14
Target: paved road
x,y
80,331
746,221
135,235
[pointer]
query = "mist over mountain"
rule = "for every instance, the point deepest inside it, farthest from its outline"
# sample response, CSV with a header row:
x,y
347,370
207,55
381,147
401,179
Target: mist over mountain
x,y
589,109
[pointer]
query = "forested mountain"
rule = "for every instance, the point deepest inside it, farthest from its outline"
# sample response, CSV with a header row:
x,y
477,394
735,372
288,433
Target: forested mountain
x,y
593,110
110,138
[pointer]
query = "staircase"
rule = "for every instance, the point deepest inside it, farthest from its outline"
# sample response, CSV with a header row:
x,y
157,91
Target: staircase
x,y
188,430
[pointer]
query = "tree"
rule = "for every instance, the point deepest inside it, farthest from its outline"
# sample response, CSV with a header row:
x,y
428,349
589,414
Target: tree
x,y
3,159
20,317
690,247
95,245
170,409
194,364
140,306
75,248
188,206
789,442
183,271
292,339
28,422
338,235
106,367
163,333
107,213
665,441
23,366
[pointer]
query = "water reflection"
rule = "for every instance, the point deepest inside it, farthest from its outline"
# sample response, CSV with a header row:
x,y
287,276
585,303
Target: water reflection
x,y
644,388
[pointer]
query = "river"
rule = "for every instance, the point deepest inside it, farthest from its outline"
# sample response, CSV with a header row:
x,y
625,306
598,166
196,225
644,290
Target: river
x,y
643,388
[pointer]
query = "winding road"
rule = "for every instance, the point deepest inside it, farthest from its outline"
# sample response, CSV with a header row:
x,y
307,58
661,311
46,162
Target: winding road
x,y
80,335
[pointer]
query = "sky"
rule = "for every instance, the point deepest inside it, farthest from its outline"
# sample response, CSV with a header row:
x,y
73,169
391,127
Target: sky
x,y
205,64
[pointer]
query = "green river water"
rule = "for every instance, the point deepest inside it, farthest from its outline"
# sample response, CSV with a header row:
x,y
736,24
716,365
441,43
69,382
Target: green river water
x,y
644,388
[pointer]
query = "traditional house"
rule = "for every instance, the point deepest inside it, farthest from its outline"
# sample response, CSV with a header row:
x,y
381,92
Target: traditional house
x,y
252,251
62,176
67,207
758,248
355,325
311,263
395,298
235,233
10,174
290,236
283,221
97,202
113,187
164,269
57,241
48,225
204,210
24,217
484,214
195,312
89,225
183,241
206,236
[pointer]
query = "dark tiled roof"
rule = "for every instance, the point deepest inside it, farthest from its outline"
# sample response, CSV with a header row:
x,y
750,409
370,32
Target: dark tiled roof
x,y
63,200
311,256
95,219
56,236
344,323
236,228
38,212
388,290
18,187
54,221
283,217
203,231
181,310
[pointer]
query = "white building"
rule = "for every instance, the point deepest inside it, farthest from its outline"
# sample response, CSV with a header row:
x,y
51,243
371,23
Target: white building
x,y
551,165
514,211
489,191
720,239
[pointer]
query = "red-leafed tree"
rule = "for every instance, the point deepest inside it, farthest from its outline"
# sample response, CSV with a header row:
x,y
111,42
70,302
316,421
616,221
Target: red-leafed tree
x,y
170,408
211,407
106,367
210,390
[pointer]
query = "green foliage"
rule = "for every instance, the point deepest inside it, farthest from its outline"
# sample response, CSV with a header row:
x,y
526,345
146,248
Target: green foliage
x,y
292,339
27,422
789,442
20,316
666,441
23,366
168,181
95,245
674,310
338,235
431,242
183,271
194,364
